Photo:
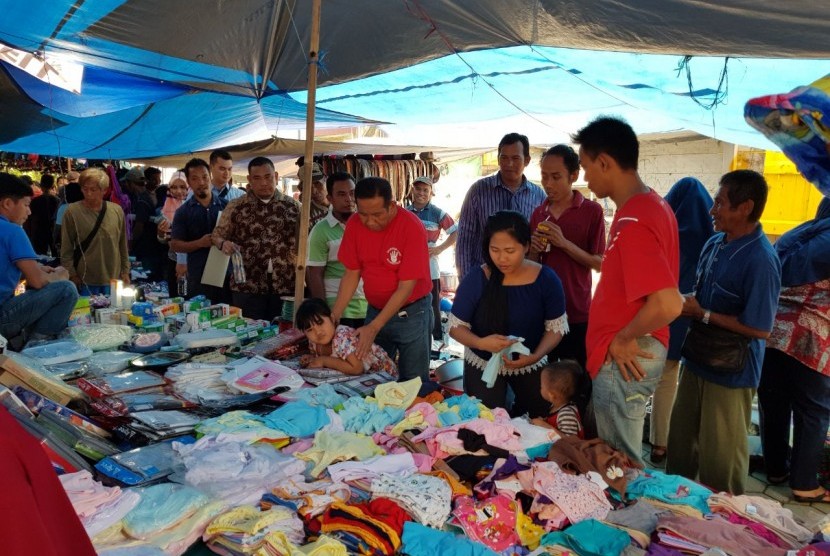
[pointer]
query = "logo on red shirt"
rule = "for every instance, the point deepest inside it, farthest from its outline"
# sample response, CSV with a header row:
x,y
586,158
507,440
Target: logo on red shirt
x,y
393,256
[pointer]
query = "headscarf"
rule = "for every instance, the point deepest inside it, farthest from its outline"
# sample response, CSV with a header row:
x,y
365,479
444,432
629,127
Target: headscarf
x,y
804,251
171,205
691,204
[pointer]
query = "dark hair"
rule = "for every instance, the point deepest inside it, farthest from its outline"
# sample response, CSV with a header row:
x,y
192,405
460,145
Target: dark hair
x,y
310,312
564,376
369,188
611,136
73,193
220,153
151,171
337,176
567,154
492,309
14,188
195,163
746,185
47,182
260,161
512,138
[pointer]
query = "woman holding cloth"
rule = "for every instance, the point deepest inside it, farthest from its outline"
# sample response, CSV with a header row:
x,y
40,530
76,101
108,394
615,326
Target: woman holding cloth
x,y
508,297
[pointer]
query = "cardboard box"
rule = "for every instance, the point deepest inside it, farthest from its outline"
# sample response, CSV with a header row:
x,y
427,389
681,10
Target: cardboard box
x,y
80,314
15,372
197,319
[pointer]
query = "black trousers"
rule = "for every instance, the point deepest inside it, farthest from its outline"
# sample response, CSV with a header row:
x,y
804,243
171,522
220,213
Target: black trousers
x,y
263,306
527,391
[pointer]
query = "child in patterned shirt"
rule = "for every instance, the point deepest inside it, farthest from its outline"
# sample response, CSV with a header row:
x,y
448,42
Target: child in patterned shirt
x,y
560,380
335,347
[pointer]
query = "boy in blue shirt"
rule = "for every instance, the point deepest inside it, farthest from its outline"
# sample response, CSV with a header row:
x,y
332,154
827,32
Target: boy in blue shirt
x,y
44,309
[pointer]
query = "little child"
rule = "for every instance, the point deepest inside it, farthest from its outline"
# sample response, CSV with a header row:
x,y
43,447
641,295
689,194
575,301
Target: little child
x,y
334,348
559,385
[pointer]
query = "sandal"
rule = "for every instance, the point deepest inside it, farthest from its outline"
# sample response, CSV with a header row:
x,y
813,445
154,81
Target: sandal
x,y
658,455
823,497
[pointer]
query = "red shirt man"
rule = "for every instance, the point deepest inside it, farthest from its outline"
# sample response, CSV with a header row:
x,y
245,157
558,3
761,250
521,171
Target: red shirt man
x,y
386,246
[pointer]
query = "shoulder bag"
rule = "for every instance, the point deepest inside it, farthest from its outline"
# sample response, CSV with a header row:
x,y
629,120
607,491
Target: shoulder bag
x,y
79,249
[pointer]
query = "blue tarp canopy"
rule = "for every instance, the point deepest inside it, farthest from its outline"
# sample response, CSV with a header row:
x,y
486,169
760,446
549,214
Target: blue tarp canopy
x,y
177,76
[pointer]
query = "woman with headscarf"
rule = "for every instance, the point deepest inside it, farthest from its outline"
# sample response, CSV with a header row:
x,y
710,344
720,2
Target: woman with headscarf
x,y
691,203
795,380
176,193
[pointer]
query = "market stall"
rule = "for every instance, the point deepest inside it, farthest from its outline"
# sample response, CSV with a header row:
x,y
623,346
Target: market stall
x,y
176,423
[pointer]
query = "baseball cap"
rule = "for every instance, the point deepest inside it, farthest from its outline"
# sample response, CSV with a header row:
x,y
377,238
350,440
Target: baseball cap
x,y
136,173
423,179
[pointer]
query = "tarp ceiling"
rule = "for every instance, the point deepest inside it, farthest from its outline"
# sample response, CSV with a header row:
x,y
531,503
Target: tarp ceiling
x,y
176,76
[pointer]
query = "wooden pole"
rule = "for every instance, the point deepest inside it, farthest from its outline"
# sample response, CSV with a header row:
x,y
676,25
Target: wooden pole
x,y
305,215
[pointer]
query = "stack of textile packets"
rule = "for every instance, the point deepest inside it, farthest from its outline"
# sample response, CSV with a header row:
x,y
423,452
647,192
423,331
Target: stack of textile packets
x,y
325,474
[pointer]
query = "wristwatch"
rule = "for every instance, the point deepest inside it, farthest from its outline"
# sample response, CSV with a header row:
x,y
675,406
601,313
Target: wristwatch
x,y
706,314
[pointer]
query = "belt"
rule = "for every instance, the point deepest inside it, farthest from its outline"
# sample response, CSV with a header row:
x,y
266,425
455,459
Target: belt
x,y
407,306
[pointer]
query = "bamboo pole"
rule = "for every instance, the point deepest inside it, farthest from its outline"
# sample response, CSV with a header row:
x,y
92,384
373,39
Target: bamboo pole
x,y
302,247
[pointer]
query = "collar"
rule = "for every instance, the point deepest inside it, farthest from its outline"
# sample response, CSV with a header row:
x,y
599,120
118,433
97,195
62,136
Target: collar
x,y
4,218
214,200
219,189
332,220
500,183
576,200
738,244
413,208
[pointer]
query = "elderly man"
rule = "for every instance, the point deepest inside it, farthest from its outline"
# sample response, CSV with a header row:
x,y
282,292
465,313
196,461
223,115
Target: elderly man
x,y
324,269
738,282
508,189
387,247
263,227
44,309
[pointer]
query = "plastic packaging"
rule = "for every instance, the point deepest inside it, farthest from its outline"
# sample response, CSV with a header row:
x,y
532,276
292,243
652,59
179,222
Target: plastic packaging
x,y
207,338
142,465
161,507
99,337
109,362
61,351
238,268
101,387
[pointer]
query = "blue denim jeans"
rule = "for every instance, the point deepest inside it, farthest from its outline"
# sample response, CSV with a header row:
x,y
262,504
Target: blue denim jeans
x,y
620,406
45,311
409,337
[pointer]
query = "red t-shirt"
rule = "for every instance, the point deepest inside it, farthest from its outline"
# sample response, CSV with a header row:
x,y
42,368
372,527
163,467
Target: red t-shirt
x,y
583,224
385,258
642,257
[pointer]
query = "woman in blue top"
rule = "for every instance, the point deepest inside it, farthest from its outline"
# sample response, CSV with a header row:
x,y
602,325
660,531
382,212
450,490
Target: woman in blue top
x,y
508,295
691,203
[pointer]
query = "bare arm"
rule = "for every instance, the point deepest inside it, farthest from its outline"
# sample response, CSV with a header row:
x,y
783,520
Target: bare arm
x,y
447,243
691,308
368,332
38,276
314,280
348,285
350,366
182,246
660,309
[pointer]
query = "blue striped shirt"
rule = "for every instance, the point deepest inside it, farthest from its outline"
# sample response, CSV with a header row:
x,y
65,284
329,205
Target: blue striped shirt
x,y
486,197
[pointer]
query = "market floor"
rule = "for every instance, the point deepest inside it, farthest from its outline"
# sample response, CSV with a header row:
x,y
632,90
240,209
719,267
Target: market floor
x,y
757,485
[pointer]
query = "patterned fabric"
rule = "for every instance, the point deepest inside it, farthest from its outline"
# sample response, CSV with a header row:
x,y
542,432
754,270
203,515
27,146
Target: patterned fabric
x,y
486,197
267,236
317,213
434,220
797,122
802,325
345,344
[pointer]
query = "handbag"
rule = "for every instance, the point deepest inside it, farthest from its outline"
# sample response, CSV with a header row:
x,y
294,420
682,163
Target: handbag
x,y
79,249
717,348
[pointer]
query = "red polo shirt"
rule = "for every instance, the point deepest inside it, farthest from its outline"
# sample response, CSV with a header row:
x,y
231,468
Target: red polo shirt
x,y
583,224
385,258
